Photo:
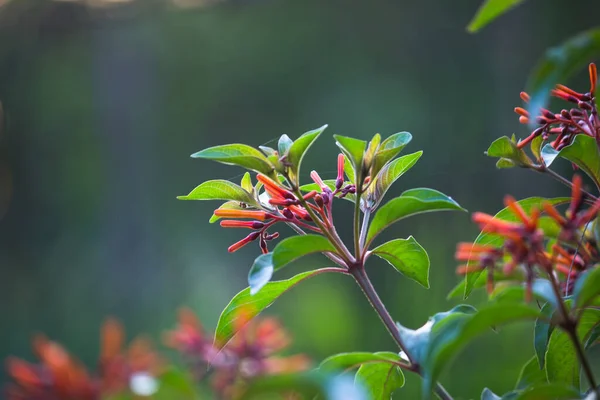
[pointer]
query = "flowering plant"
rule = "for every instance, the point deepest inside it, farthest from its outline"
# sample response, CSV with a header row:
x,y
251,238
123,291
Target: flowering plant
x,y
538,259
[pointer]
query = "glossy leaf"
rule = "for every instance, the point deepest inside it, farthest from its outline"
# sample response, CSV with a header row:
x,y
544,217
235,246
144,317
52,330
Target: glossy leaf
x,y
549,391
583,152
244,306
509,154
587,287
562,365
380,379
489,11
408,257
387,176
487,394
344,362
417,341
558,64
219,189
411,202
260,273
530,374
247,183
301,145
349,170
390,148
541,333
451,338
237,154
506,214
295,247
354,149
284,144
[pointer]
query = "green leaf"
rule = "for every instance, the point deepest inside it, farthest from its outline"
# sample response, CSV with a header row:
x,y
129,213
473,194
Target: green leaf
x,y
562,364
549,391
252,305
417,341
219,189
408,257
260,272
238,154
536,147
380,379
489,11
531,374
295,247
349,170
247,183
284,253
387,176
508,152
541,333
452,337
354,150
558,64
583,152
299,148
390,148
411,202
175,384
284,144
587,287
487,394
310,385
491,239
344,362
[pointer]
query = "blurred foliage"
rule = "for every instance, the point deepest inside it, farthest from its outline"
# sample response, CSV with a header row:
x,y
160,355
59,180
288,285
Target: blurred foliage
x,y
103,106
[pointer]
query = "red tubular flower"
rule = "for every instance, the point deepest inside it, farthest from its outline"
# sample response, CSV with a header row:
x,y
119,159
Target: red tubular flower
x,y
61,377
242,224
317,179
339,181
568,123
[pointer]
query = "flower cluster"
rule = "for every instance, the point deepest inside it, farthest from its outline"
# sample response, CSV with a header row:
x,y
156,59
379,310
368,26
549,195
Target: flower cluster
x,y
61,377
565,125
524,245
280,203
250,354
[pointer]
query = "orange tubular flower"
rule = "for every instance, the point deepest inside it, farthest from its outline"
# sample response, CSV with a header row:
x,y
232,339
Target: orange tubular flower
x,y
249,214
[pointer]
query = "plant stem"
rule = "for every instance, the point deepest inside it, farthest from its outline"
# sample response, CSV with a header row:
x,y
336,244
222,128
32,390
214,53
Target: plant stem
x,y
363,231
357,245
545,170
569,325
333,238
365,284
572,332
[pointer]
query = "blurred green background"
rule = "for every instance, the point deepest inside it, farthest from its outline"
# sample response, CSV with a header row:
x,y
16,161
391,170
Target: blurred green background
x,y
105,100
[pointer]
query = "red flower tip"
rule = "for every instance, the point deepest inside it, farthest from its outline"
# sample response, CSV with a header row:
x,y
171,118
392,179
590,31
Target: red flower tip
x,y
525,97
593,77
238,245
340,171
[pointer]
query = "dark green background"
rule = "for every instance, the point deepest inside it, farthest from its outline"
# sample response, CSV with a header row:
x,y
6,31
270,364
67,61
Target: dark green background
x,y
103,107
